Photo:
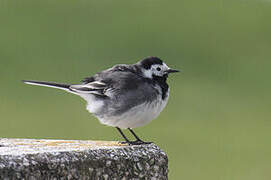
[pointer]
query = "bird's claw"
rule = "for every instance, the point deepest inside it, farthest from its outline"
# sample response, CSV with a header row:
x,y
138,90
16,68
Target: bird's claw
x,y
130,143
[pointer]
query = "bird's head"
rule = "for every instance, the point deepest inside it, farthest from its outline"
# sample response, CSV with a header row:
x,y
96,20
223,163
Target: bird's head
x,y
153,67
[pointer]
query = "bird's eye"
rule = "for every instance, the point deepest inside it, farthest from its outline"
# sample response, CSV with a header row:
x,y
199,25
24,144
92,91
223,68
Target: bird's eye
x,y
158,69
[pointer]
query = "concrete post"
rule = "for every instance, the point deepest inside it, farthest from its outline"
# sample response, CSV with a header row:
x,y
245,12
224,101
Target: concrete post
x,y
75,159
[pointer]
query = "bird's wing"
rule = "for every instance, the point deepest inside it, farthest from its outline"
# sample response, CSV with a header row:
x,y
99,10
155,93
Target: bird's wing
x,y
95,87
121,85
105,83
119,82
107,74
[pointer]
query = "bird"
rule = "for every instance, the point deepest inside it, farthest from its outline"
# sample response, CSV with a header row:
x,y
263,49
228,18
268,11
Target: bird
x,y
124,96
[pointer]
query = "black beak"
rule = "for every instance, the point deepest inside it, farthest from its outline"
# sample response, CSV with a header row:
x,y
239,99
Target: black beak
x,y
172,71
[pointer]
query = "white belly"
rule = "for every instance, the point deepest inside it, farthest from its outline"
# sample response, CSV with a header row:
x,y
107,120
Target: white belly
x,y
136,116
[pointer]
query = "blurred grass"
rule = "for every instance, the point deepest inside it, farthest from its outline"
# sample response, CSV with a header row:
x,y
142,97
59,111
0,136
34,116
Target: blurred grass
x,y
217,123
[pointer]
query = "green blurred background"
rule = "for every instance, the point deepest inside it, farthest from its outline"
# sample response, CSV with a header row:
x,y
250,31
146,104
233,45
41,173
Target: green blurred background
x,y
217,122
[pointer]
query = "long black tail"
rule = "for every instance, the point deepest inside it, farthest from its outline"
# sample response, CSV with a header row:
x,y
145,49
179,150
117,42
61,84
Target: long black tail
x,y
62,86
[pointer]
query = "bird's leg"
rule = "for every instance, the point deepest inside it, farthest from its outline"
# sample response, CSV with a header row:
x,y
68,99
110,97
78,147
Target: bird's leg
x,y
122,134
138,140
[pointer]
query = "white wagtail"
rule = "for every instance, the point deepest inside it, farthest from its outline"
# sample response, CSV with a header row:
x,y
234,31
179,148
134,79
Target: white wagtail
x,y
124,96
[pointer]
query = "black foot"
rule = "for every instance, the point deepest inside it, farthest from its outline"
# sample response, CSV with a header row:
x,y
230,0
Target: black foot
x,y
127,141
123,142
135,143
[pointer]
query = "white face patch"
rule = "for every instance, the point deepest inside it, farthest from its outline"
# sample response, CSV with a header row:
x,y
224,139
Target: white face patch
x,y
156,69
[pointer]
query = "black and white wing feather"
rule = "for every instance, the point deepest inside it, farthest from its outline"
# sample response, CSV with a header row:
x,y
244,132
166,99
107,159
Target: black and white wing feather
x,y
95,87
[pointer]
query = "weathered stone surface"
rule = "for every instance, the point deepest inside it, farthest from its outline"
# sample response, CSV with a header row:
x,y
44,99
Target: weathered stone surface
x,y
74,159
